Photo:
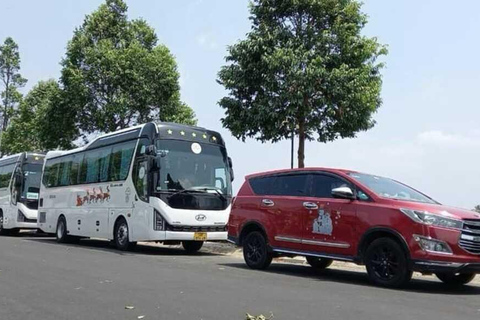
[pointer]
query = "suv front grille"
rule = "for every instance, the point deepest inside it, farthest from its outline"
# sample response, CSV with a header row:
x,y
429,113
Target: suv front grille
x,y
470,238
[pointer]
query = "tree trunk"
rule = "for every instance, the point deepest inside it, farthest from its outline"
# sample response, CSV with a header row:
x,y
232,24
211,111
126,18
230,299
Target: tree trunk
x,y
301,143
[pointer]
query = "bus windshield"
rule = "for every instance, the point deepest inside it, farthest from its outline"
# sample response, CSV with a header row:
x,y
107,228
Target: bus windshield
x,y
32,173
187,165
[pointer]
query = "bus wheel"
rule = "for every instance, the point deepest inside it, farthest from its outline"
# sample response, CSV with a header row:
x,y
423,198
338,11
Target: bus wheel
x,y
2,231
61,233
192,246
121,236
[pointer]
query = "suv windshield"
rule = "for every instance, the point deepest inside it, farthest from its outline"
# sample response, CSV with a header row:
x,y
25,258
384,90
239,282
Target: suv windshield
x,y
187,165
391,189
32,173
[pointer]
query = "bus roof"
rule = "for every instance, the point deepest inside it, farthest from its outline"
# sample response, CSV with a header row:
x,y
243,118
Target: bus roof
x,y
162,130
20,156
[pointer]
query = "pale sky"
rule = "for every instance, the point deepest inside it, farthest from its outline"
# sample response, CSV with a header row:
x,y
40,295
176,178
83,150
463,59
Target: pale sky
x,y
427,133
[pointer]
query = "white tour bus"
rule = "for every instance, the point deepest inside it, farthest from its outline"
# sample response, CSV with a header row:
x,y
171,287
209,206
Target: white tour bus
x,y
154,182
20,176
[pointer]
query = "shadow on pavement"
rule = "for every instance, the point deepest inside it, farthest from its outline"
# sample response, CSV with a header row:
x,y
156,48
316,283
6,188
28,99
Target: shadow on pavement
x,y
359,278
140,249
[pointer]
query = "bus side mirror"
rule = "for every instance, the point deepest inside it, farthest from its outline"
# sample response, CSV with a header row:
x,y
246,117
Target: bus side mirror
x,y
230,167
151,150
18,179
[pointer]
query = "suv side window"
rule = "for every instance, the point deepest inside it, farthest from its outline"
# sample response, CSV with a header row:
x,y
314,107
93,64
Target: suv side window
x,y
322,185
262,185
290,185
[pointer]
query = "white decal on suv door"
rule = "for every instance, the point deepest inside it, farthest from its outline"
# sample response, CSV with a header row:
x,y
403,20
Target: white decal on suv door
x,y
323,223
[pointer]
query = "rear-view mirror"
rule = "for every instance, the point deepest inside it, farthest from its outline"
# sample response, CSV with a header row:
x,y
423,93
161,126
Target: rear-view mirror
x,y
343,193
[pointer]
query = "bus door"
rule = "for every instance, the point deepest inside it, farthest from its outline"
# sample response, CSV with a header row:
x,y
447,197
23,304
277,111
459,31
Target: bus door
x,y
142,215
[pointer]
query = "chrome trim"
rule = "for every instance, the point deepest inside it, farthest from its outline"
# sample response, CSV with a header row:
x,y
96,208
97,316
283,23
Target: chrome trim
x,y
415,236
439,264
472,222
327,244
310,205
268,203
288,239
310,254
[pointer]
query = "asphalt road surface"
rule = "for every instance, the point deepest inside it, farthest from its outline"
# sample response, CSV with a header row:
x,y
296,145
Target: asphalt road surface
x,y
40,279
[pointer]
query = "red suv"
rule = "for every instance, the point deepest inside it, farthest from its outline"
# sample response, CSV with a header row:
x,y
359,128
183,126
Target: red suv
x,y
330,214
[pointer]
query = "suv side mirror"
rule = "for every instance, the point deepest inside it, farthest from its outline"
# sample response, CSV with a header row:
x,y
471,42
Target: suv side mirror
x,y
343,193
230,166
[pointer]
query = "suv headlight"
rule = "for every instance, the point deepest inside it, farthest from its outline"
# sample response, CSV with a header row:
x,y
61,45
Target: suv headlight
x,y
432,245
432,219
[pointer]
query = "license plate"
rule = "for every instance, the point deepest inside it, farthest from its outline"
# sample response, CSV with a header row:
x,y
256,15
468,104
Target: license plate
x,y
200,236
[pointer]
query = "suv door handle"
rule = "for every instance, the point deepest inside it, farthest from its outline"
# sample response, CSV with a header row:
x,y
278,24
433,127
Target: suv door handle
x,y
310,205
268,203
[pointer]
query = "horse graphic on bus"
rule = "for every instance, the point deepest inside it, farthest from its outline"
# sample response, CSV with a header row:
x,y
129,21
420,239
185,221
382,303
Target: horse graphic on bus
x,y
95,196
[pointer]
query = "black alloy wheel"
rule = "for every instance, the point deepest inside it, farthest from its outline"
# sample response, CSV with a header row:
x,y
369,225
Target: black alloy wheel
x,y
387,264
256,252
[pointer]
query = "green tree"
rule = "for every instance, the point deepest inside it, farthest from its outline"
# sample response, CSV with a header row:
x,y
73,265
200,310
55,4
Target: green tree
x,y
11,80
43,121
477,208
304,67
116,75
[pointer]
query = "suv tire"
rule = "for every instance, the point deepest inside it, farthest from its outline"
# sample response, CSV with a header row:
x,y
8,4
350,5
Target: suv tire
x,y
453,279
319,263
256,252
387,263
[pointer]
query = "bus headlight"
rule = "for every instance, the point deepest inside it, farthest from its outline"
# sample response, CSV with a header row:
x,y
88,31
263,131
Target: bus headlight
x,y
158,221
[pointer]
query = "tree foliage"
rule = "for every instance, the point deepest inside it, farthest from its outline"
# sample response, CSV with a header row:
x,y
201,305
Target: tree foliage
x,y
42,122
116,75
304,67
11,80
477,208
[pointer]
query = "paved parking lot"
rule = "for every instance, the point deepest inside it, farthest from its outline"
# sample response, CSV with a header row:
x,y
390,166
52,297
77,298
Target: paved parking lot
x,y
40,279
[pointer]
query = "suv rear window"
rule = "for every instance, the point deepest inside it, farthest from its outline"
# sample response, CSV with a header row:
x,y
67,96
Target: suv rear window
x,y
286,185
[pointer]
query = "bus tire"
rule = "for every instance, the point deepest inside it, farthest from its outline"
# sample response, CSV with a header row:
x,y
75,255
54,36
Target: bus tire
x,y
2,231
61,232
192,246
121,236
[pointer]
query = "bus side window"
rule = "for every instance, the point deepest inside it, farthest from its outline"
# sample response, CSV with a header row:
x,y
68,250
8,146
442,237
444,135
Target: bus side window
x,y
3,181
120,161
75,168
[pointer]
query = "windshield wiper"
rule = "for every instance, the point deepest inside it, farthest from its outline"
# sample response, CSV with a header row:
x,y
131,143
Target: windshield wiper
x,y
177,192
197,190
217,192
